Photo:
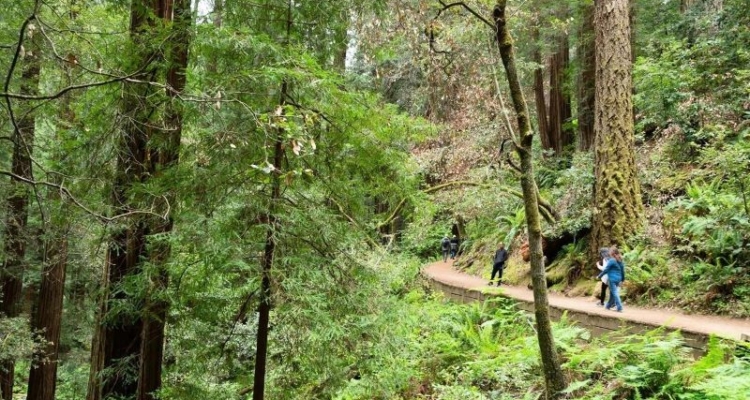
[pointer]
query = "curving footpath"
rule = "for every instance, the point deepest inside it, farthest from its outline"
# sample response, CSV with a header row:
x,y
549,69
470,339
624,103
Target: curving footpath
x,y
695,329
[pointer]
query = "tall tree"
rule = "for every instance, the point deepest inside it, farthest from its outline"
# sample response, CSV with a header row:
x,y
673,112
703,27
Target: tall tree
x,y
586,78
47,320
540,98
617,193
270,248
553,376
552,110
118,339
165,153
559,100
16,218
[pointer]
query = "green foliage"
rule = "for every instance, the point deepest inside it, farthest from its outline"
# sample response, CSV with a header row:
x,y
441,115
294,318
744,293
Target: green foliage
x,y
692,70
572,193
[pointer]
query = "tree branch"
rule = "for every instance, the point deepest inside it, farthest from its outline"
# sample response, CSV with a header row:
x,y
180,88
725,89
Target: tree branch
x,y
549,213
67,89
467,8
14,62
77,202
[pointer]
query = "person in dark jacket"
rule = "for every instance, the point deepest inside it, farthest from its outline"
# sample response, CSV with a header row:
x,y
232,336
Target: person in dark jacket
x,y
615,270
498,264
603,256
454,247
445,245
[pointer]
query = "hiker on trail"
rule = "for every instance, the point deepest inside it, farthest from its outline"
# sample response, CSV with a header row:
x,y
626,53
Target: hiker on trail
x,y
498,264
445,245
603,256
454,247
615,271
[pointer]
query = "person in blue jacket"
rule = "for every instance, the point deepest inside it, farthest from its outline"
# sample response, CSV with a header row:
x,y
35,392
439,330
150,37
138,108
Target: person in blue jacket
x,y
615,271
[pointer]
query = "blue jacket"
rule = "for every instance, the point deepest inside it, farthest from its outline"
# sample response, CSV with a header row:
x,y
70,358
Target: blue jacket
x,y
615,270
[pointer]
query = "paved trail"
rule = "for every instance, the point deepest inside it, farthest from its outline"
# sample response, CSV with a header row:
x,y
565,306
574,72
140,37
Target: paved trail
x,y
705,324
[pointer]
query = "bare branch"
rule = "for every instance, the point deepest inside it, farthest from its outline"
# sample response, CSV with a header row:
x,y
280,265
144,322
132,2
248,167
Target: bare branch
x,y
67,89
13,64
63,190
467,8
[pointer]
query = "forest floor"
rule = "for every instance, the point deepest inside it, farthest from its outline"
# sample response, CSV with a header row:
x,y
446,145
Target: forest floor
x,y
707,324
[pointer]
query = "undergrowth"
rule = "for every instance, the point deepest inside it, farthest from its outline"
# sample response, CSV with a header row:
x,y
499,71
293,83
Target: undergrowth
x,y
441,350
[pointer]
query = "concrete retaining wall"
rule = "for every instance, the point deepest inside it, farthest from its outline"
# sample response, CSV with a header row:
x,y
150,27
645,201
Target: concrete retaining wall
x,y
595,323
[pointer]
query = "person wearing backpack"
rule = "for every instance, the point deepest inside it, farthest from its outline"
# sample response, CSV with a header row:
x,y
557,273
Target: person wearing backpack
x,y
445,245
498,264
615,271
454,247
603,256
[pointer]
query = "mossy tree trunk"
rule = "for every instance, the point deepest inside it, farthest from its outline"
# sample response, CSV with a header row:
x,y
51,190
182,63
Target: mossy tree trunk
x,y
553,376
617,195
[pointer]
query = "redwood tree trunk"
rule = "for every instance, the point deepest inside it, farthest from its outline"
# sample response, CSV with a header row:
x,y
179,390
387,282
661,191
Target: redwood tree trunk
x,y
15,238
152,345
559,101
117,340
617,193
586,80
540,100
553,376
48,318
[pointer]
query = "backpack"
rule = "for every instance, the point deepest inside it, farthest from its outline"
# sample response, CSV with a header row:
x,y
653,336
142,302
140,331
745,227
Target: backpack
x,y
445,243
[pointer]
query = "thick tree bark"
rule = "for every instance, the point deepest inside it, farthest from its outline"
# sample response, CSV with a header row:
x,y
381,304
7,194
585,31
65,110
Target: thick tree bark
x,y
48,318
16,217
152,345
553,376
586,80
617,193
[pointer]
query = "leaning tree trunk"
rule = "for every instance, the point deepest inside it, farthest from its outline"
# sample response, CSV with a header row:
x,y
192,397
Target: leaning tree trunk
x,y
586,80
617,193
166,157
16,218
553,376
